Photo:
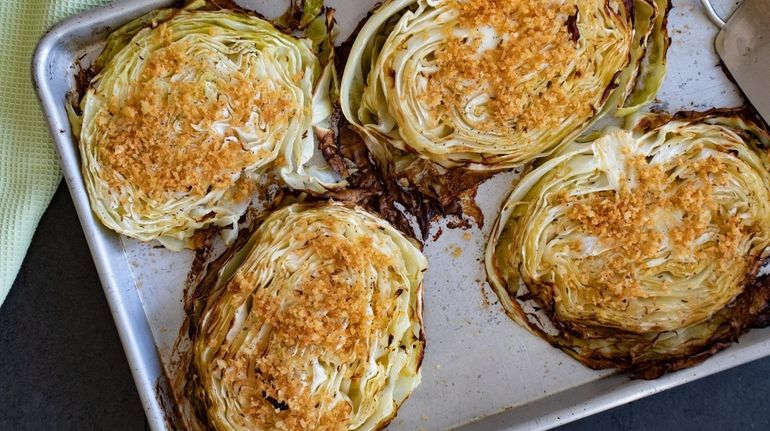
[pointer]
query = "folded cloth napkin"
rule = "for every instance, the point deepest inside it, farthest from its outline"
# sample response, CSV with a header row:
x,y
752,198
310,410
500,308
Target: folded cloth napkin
x,y
29,171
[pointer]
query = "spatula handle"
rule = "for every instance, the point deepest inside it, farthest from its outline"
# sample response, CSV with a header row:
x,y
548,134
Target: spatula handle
x,y
713,15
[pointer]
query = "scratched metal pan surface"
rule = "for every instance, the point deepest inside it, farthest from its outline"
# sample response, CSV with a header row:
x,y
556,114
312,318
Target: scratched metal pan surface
x,y
481,371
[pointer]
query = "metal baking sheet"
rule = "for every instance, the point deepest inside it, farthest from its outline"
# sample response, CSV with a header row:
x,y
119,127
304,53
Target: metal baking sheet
x,y
481,371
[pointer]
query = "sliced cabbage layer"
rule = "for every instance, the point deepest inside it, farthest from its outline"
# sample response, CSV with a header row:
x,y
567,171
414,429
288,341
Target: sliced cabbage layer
x,y
312,322
640,250
488,85
191,108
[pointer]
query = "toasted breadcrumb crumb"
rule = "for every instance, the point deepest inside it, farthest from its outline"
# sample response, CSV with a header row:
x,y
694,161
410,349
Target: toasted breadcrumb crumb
x,y
626,221
529,44
331,311
161,137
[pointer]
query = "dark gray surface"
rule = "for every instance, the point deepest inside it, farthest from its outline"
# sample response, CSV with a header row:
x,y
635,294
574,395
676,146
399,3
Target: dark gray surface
x,y
62,366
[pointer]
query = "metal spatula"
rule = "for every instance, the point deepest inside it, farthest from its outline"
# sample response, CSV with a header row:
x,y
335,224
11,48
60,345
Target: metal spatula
x,y
744,46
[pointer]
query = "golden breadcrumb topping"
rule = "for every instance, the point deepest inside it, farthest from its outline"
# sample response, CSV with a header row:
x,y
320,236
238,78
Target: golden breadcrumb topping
x,y
534,40
333,314
178,128
629,221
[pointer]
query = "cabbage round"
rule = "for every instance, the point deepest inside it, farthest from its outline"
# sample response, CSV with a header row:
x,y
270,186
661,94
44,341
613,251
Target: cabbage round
x,y
486,86
640,250
190,111
314,321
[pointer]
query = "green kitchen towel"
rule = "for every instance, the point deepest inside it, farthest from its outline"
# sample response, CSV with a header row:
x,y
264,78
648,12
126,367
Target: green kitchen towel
x,y
29,171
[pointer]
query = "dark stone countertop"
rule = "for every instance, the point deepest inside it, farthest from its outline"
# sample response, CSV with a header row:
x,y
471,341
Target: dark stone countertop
x,y
62,366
